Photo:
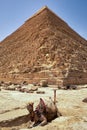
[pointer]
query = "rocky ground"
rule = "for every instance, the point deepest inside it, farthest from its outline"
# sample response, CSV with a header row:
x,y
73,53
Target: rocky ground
x,y
14,115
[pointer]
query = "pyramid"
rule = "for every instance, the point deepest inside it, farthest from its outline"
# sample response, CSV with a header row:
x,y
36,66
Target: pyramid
x,y
44,48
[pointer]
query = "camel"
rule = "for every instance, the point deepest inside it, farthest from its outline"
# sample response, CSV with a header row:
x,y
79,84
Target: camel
x,y
44,112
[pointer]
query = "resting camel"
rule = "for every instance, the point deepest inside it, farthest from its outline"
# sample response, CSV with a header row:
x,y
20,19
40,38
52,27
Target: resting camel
x,y
43,113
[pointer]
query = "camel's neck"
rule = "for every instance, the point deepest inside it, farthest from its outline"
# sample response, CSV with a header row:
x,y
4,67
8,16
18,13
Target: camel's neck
x,y
32,115
31,112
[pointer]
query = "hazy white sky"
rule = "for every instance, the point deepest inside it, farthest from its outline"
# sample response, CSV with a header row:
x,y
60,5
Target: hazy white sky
x,y
13,13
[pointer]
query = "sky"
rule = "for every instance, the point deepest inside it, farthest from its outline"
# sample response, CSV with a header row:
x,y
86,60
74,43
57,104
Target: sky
x,y
13,13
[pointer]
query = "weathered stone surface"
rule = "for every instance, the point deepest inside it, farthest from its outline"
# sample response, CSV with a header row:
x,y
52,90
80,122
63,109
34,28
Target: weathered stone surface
x,y
44,48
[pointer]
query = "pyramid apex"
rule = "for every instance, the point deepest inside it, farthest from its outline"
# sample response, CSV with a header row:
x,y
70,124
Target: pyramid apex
x,y
38,12
44,7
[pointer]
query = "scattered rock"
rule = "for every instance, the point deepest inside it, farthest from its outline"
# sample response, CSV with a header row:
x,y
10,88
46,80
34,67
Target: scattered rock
x,y
1,83
34,88
24,83
44,83
11,87
30,91
85,100
23,89
40,92
71,87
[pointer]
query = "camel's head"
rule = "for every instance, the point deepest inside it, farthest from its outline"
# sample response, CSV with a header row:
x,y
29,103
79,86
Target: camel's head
x,y
30,107
41,106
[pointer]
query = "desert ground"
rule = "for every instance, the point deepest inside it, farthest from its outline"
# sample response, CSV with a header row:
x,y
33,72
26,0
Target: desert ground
x,y
15,116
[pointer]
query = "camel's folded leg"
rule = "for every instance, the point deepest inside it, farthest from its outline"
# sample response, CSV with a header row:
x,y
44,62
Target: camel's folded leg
x,y
34,124
43,120
31,125
59,114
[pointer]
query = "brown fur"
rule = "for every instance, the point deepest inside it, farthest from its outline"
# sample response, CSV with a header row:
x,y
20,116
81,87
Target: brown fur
x,y
43,112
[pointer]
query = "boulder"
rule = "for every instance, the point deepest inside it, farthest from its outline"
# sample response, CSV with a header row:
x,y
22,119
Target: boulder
x,y
44,83
85,100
